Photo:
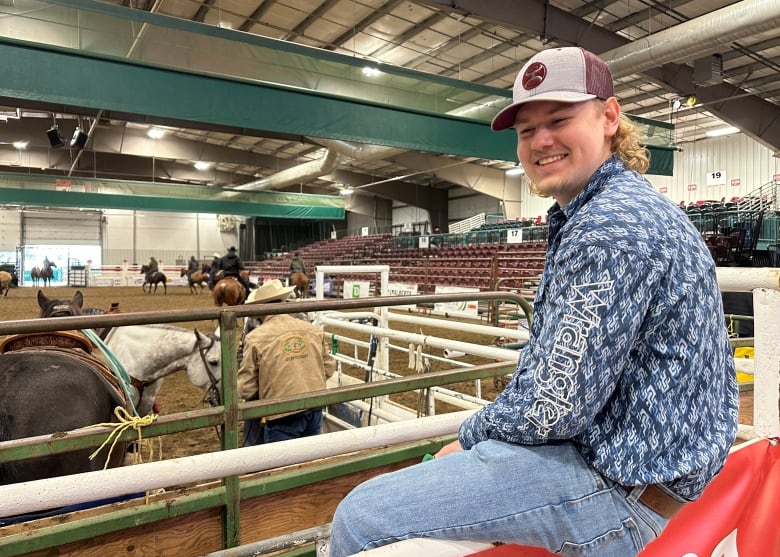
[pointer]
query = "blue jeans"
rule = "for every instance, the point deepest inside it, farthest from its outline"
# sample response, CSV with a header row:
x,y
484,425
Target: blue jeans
x,y
542,496
303,424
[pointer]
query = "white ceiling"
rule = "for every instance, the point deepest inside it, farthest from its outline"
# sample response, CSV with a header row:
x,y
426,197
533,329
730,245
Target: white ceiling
x,y
480,41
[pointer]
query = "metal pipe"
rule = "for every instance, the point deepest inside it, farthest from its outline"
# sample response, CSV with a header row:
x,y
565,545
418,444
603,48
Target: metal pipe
x,y
426,340
38,495
745,279
459,326
766,372
272,545
694,38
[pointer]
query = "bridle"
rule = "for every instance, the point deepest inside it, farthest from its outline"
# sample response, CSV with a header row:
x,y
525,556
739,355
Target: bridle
x,y
211,395
61,310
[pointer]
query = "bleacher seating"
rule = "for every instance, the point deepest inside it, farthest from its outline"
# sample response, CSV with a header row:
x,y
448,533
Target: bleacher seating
x,y
489,266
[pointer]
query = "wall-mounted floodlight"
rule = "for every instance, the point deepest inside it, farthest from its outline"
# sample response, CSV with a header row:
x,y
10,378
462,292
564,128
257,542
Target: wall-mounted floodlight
x,y
55,139
79,139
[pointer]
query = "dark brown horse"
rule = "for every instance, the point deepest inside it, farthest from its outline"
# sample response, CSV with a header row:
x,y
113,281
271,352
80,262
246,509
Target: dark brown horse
x,y
156,278
196,279
46,273
44,391
229,291
301,283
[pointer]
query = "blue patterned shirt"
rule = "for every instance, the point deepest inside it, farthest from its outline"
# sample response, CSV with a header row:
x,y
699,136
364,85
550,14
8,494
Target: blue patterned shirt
x,y
629,356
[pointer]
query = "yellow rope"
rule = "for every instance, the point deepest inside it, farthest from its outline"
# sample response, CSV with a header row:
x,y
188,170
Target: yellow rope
x,y
126,421
731,332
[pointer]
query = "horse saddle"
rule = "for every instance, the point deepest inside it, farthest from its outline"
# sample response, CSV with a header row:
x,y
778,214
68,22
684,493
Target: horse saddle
x,y
61,339
70,343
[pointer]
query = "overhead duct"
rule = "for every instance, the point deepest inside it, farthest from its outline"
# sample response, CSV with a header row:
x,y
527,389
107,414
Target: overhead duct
x,y
694,38
359,151
297,174
336,153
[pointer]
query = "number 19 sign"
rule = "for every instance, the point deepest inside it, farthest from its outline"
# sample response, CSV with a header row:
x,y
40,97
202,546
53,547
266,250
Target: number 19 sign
x,y
716,178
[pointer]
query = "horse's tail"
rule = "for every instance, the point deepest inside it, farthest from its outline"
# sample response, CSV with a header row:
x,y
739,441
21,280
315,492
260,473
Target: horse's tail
x,y
8,472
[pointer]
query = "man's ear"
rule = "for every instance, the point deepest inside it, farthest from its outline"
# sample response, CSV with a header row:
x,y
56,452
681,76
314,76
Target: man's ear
x,y
611,116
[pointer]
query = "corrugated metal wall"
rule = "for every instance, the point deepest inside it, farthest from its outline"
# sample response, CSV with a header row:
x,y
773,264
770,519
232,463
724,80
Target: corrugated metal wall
x,y
10,229
744,165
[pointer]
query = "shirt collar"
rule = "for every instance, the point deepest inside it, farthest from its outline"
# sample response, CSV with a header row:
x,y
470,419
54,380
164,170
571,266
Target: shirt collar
x,y
610,167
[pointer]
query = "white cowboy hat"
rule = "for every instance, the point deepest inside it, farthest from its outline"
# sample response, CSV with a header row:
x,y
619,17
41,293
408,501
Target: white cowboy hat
x,y
271,291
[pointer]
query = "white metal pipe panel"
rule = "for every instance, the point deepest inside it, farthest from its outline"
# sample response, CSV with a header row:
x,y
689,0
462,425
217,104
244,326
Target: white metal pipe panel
x,y
34,496
489,330
425,340
766,376
745,279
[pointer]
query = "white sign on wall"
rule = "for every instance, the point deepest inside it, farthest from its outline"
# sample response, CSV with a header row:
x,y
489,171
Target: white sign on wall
x,y
717,178
364,231
466,309
356,289
423,242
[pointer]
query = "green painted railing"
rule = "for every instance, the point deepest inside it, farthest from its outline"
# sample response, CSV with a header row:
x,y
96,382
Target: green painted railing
x,y
228,495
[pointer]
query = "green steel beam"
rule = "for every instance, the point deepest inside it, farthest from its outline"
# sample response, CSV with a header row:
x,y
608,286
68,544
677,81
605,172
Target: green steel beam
x,y
74,79
157,203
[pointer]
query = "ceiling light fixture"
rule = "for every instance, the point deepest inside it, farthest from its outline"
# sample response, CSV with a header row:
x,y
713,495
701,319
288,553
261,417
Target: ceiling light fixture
x,y
516,171
21,144
370,71
202,165
346,191
722,131
155,133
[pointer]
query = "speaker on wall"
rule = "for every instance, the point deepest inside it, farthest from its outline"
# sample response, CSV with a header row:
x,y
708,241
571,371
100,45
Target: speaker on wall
x,y
55,139
79,139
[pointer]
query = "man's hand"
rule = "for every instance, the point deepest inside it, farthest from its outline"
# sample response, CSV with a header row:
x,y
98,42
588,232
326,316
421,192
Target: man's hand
x,y
449,448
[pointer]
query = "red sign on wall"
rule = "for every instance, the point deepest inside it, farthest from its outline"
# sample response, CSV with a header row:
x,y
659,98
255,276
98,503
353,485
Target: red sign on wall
x,y
736,181
663,189
691,187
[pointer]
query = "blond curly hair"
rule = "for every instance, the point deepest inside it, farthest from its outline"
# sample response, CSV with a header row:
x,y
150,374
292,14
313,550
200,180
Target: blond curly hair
x,y
625,144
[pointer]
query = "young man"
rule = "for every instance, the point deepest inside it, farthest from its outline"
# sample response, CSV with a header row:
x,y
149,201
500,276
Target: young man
x,y
624,403
282,356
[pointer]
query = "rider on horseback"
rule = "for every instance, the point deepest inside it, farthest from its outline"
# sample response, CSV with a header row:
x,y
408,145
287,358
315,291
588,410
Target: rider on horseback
x,y
296,266
154,267
231,266
192,266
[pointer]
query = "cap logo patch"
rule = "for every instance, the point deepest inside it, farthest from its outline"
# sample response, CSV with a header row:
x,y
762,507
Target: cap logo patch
x,y
534,76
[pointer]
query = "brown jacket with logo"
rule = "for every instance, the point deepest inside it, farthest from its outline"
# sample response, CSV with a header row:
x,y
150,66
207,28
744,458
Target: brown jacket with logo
x,y
284,356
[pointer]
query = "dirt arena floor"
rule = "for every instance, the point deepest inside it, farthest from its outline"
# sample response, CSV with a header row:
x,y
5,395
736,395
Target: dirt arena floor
x,y
177,393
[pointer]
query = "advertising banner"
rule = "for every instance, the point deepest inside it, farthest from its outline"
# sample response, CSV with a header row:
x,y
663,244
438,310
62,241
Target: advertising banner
x,y
402,289
464,309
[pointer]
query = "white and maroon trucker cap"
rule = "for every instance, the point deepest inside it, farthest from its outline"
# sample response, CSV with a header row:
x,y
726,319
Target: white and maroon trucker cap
x,y
570,74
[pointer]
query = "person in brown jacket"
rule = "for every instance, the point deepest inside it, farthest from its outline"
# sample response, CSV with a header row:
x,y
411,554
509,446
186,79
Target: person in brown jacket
x,y
282,356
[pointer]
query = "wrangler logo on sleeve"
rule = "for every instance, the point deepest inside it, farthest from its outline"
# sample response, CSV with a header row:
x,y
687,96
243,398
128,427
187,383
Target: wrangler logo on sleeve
x,y
555,380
